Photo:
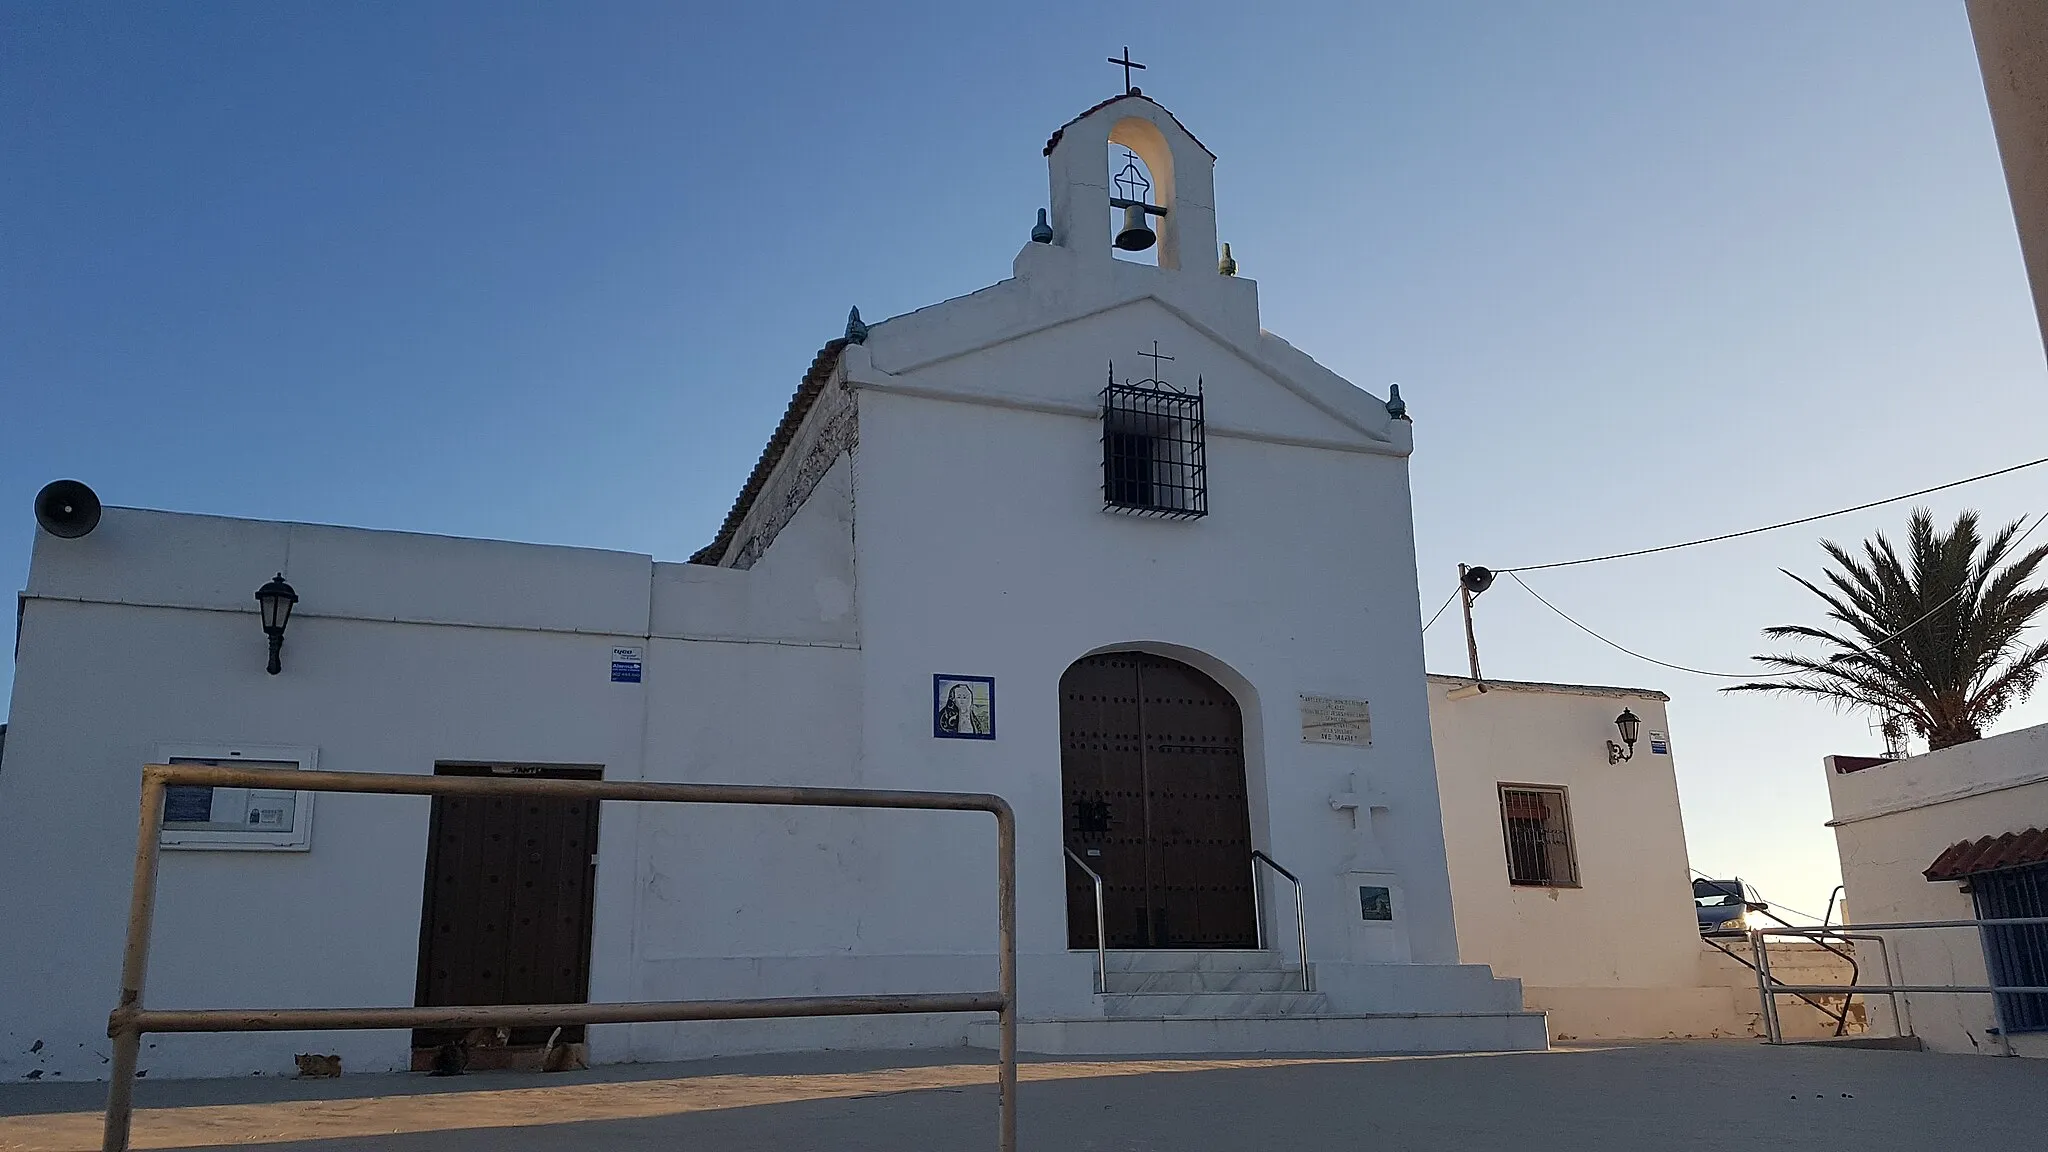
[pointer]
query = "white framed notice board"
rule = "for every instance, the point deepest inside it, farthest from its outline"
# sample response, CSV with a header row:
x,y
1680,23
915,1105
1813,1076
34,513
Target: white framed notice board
x,y
200,818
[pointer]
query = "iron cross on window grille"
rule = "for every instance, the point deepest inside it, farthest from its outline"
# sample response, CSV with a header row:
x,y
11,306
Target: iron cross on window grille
x,y
1128,64
1155,356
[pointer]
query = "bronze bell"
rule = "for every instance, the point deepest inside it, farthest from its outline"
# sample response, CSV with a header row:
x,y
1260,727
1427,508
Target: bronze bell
x,y
1136,235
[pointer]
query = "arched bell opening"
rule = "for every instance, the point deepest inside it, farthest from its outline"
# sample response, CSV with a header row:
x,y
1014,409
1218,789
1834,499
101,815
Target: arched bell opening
x,y
1133,222
1141,193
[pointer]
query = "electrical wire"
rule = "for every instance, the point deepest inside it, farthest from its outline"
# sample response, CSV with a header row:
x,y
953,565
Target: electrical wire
x,y
1440,610
1626,651
1771,527
1863,651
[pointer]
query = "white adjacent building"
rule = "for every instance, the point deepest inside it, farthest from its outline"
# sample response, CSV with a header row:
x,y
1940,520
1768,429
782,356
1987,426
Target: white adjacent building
x,y
1569,869
1958,834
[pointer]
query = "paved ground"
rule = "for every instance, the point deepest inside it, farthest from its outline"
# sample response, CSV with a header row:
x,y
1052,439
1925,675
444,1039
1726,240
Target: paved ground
x,y
1701,1095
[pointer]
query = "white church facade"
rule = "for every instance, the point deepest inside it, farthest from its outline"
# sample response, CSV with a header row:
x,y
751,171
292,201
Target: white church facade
x,y
1166,609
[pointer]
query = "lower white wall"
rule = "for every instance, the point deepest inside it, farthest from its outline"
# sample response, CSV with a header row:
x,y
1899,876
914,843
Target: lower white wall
x,y
1617,955
1891,821
1629,921
100,686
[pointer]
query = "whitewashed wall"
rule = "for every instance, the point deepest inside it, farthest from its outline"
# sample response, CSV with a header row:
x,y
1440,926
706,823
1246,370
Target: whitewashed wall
x,y
145,632
1620,954
406,650
1890,822
783,901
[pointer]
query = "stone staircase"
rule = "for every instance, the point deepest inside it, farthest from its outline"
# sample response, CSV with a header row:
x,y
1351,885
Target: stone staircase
x,y
1165,1002
1161,984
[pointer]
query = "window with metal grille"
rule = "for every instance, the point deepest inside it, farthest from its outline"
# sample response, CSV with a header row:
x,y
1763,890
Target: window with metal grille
x,y
2017,955
1536,822
1152,452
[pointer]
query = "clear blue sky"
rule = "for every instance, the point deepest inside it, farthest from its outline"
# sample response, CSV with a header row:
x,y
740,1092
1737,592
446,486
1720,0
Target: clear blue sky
x,y
550,273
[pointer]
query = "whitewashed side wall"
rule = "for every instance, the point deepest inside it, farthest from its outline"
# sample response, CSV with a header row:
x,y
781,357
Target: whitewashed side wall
x,y
1629,924
145,632
99,684
1891,821
785,901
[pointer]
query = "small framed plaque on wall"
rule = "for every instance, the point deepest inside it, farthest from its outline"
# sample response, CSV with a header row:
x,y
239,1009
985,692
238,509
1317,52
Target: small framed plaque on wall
x,y
964,707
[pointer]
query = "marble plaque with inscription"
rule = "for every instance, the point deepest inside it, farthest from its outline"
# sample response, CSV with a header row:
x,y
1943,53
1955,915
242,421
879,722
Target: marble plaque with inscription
x,y
1335,720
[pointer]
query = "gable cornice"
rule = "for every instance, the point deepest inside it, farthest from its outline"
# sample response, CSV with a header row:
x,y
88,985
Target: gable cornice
x,y
1250,356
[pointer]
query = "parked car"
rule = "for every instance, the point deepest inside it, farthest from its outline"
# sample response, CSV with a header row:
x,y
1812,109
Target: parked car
x,y
1722,905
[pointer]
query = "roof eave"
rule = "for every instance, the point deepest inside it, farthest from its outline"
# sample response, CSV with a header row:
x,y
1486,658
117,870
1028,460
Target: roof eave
x,y
1061,131
807,393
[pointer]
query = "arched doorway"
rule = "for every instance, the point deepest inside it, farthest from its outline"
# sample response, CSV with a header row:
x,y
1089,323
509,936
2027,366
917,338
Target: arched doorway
x,y
1153,790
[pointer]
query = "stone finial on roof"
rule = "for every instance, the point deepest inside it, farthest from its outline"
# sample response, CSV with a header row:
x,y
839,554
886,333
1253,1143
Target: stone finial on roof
x,y
856,332
1041,232
1396,407
1227,265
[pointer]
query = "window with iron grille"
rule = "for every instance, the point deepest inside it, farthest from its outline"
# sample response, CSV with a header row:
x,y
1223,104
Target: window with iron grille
x,y
2017,955
1152,457
1536,822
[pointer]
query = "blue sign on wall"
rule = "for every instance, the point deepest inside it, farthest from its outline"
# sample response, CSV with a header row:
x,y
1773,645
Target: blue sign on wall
x,y
626,665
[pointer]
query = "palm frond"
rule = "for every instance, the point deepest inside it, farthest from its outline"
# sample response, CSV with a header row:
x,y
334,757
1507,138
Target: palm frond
x,y
1928,630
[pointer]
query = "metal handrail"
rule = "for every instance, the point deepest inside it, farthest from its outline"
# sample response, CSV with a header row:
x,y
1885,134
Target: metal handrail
x,y
1836,930
1769,986
1101,925
1742,892
1300,920
130,1019
1841,1018
1769,989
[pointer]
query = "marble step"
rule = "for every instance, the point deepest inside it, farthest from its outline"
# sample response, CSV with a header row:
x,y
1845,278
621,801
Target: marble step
x,y
1251,1035
1195,960
1226,980
1154,1005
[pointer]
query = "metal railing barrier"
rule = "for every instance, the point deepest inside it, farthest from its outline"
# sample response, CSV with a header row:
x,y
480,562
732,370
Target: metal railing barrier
x,y
130,1019
1839,1015
1769,988
1300,920
1101,924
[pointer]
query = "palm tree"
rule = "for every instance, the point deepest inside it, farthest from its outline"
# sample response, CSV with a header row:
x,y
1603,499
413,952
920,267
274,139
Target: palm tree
x,y
1931,641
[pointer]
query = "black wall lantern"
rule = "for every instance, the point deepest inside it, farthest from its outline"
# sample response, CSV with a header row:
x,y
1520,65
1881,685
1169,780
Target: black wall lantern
x,y
1628,722
276,599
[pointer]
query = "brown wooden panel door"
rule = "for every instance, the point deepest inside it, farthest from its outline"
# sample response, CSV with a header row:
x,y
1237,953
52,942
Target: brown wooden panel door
x,y
1153,785
508,906
1200,819
1103,793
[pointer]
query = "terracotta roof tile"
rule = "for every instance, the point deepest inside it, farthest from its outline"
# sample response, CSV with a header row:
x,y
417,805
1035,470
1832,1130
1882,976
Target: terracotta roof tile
x,y
1131,95
1966,858
807,393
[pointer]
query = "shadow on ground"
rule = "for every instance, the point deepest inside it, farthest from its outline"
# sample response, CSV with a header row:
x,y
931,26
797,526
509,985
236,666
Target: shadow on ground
x,y
1734,1095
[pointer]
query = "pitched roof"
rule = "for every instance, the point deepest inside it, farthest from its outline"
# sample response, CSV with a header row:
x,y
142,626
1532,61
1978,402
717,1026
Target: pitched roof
x,y
1966,858
807,393
1133,94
